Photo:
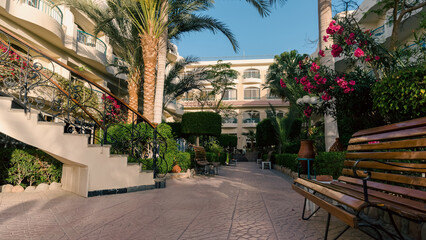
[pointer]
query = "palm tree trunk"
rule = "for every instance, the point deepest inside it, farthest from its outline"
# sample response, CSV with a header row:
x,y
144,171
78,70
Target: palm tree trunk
x,y
133,88
149,50
161,70
324,18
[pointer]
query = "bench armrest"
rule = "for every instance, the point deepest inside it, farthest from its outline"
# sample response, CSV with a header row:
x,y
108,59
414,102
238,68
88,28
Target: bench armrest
x,y
364,180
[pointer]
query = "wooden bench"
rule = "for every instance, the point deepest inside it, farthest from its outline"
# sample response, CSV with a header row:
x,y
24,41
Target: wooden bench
x,y
201,162
384,173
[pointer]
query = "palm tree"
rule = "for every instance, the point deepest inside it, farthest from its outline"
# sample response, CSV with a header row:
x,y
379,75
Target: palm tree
x,y
113,22
176,83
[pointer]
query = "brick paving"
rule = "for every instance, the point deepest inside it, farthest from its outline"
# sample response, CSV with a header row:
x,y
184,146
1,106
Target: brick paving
x,y
243,202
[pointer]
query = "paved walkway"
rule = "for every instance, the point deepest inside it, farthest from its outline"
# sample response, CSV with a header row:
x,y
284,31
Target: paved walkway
x,y
244,202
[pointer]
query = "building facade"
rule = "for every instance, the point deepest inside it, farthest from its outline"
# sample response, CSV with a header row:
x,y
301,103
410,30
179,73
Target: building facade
x,y
248,98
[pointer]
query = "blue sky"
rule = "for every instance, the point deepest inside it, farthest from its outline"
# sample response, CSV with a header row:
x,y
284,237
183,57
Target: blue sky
x,y
293,25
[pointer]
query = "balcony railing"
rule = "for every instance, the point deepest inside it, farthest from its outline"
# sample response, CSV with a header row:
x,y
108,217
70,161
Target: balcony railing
x,y
47,7
91,41
251,120
378,31
229,120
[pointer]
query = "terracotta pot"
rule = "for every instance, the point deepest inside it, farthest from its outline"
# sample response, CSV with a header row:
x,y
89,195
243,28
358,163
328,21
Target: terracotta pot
x,y
176,169
306,151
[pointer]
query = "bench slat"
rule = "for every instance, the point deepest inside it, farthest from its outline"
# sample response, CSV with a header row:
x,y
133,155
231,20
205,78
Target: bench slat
x,y
377,165
344,216
407,192
397,178
392,127
418,155
351,202
420,131
410,143
405,202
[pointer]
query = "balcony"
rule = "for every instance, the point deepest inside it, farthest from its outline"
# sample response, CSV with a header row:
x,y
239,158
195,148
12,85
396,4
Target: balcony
x,y
230,123
175,107
90,46
250,122
40,16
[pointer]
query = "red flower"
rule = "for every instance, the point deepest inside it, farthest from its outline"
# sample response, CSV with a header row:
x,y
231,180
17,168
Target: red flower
x,y
336,50
321,53
359,53
308,112
368,58
314,67
352,82
326,97
377,58
282,83
325,38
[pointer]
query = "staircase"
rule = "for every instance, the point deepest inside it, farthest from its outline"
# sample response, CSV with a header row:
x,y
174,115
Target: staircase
x,y
88,169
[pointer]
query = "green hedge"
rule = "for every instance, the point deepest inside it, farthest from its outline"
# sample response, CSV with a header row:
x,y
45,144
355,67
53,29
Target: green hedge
x,y
266,134
202,123
28,166
184,160
176,129
329,163
227,140
287,160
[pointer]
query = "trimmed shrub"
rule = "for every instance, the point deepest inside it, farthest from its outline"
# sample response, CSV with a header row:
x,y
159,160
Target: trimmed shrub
x,y
212,157
227,140
266,134
176,129
222,157
287,160
329,163
202,123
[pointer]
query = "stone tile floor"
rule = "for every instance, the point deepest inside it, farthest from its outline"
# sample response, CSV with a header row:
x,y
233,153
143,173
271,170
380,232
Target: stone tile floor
x,y
243,202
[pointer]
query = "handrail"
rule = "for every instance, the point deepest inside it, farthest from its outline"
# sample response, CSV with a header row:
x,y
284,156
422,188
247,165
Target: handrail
x,y
91,41
51,58
47,7
380,31
25,77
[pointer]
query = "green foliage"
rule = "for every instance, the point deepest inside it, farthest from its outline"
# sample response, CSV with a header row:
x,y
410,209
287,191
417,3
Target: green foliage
x,y
285,68
329,163
212,157
184,160
227,140
266,134
202,123
176,129
402,96
28,166
214,146
287,160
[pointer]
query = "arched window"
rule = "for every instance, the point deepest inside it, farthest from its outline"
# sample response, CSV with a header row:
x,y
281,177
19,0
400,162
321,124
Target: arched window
x,y
251,73
252,93
230,94
278,113
251,116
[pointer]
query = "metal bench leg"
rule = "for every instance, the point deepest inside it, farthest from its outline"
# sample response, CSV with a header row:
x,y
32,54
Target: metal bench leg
x,y
303,213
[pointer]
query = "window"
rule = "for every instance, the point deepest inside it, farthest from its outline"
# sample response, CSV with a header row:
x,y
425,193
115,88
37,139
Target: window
x,y
251,73
252,93
270,114
229,120
208,94
230,94
272,95
251,117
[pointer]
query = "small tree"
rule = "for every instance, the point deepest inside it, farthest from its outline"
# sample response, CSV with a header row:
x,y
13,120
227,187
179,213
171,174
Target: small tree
x,y
251,135
201,123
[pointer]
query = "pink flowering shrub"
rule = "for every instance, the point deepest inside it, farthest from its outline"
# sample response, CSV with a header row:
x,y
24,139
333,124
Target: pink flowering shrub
x,y
113,110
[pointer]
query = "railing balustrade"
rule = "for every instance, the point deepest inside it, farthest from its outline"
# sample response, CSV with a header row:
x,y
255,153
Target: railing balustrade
x,y
83,105
378,31
47,7
91,41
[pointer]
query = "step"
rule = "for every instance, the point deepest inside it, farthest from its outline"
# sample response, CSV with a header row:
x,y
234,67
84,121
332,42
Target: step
x,y
60,124
18,110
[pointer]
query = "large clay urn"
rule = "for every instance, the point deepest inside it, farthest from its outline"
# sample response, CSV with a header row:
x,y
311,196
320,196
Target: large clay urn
x,y
306,152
